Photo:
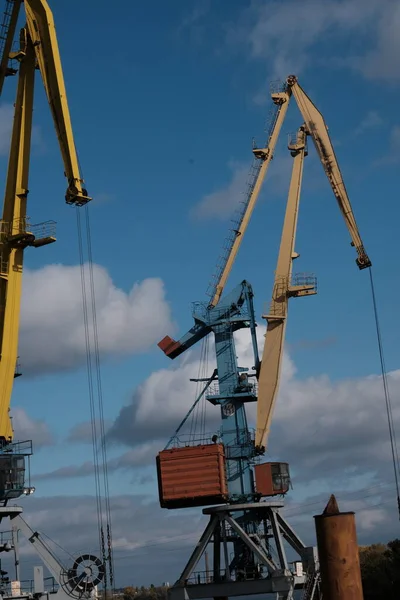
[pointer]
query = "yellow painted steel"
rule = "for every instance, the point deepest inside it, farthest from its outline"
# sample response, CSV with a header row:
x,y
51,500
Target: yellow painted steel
x,y
266,155
4,68
318,131
315,127
40,24
38,49
14,223
269,376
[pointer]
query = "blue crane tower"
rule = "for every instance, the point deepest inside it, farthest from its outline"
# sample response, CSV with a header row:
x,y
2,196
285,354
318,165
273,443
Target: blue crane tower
x,y
247,531
234,388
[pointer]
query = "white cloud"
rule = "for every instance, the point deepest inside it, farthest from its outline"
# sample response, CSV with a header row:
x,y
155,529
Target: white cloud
x,y
334,427
393,155
26,428
327,430
144,534
82,432
52,331
369,519
383,61
225,200
158,405
371,120
318,424
395,137
196,14
103,198
6,125
333,434
141,531
275,31
140,456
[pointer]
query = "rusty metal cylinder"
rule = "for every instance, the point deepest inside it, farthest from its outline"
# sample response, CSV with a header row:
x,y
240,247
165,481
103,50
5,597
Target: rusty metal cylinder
x,y
339,560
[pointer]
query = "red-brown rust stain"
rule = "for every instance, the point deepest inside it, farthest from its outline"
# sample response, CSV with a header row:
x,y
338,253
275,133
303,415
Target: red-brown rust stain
x,y
338,554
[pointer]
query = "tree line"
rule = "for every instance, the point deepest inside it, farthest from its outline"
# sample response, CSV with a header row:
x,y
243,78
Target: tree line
x,y
380,571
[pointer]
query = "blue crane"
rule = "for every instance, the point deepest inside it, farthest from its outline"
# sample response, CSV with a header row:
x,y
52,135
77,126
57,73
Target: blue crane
x,y
235,311
229,469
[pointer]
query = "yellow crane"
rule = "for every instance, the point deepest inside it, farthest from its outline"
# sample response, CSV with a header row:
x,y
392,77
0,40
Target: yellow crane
x,y
284,287
38,50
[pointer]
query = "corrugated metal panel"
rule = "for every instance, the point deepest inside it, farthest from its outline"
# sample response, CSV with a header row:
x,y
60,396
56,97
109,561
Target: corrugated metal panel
x,y
263,479
192,476
272,478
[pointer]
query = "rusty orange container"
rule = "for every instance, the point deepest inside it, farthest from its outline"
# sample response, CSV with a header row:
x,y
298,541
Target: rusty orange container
x,y
272,479
192,476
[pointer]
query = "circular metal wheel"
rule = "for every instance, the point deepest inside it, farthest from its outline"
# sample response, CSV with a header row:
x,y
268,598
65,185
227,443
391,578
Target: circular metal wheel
x,y
86,572
291,80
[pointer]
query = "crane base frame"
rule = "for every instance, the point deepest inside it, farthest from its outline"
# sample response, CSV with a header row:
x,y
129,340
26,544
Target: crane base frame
x,y
224,525
67,579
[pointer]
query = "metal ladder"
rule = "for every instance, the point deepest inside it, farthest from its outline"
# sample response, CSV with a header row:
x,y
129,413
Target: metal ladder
x,y
242,208
5,24
312,588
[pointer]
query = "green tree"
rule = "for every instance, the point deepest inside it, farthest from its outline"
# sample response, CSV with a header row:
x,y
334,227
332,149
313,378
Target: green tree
x,y
129,593
380,570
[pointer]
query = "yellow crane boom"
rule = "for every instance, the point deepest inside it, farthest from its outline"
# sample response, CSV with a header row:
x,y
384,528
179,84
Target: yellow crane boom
x,y
38,50
318,131
284,287
266,154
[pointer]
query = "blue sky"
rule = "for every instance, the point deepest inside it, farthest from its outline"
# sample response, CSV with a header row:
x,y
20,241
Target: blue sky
x,y
165,99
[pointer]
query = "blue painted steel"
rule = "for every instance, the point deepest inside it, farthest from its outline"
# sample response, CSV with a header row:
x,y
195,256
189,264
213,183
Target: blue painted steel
x,y
199,397
235,311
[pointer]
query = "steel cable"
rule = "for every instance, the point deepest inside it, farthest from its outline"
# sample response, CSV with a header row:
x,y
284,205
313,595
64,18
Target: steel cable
x,y
392,432
89,377
100,462
100,400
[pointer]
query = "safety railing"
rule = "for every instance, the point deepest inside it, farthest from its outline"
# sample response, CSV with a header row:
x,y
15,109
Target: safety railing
x,y
204,577
22,447
44,230
26,586
233,390
189,439
304,279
